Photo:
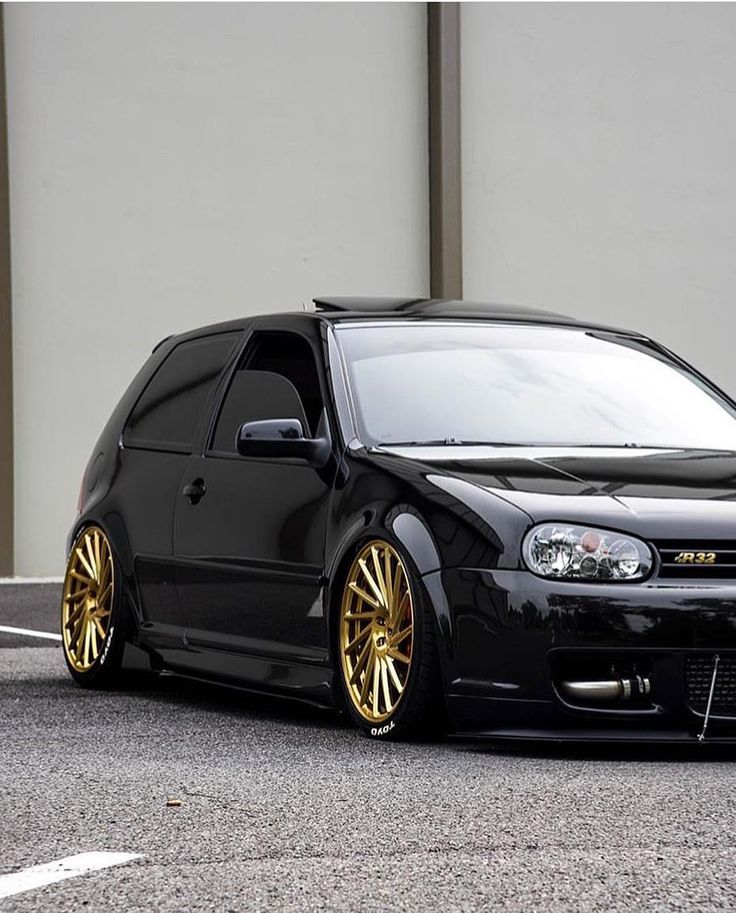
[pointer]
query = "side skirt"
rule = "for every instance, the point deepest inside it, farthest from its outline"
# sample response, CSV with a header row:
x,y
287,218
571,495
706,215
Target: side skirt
x,y
265,675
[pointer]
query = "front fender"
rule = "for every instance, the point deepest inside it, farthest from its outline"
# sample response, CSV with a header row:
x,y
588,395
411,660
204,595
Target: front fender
x,y
404,528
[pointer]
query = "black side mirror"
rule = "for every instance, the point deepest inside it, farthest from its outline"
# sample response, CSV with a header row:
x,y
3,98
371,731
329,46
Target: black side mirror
x,y
283,439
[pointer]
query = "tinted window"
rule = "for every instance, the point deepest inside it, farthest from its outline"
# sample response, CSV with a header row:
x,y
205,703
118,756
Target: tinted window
x,y
270,353
500,384
167,413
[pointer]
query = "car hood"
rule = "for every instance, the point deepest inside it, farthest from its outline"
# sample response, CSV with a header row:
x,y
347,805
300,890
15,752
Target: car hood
x,y
655,492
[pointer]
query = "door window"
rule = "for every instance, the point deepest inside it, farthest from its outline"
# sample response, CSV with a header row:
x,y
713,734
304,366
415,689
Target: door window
x,y
168,411
286,354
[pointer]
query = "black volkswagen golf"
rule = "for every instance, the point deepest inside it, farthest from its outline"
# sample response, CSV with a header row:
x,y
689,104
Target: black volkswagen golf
x,y
429,513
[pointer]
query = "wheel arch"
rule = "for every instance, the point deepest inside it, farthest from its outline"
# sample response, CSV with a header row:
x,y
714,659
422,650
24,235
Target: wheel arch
x,y
401,526
113,527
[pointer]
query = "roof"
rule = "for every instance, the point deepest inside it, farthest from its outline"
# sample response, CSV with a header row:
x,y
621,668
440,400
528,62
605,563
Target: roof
x,y
347,308
430,307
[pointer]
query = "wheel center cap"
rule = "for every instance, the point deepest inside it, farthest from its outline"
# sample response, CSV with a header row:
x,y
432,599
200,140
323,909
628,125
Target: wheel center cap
x,y
380,636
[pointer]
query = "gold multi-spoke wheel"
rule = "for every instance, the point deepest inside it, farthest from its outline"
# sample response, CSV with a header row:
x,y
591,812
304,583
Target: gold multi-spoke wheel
x,y
376,631
87,603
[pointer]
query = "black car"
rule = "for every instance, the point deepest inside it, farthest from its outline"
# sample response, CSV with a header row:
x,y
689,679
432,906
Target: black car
x,y
429,513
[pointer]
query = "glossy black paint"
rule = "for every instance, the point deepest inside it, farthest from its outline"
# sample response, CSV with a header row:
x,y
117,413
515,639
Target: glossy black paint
x,y
233,565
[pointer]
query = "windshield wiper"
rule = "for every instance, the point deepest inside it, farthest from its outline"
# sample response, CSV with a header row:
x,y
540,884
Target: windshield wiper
x,y
450,442
621,445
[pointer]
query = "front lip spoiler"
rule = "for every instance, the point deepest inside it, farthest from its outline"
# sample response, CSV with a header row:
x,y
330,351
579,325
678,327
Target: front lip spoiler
x,y
601,736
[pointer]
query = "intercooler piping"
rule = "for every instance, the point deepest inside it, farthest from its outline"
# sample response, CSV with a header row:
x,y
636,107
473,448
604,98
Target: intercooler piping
x,y
608,689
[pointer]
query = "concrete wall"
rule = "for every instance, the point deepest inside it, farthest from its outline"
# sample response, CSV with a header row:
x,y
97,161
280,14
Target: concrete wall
x,y
600,166
177,164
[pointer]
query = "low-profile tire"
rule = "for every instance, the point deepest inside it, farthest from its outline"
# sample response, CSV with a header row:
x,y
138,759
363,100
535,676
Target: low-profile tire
x,y
94,618
386,641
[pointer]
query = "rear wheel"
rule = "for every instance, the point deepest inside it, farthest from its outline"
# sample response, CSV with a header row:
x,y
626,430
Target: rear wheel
x,y
93,619
388,654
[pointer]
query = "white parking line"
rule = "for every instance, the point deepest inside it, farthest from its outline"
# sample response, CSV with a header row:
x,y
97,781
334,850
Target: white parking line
x,y
50,872
15,580
47,635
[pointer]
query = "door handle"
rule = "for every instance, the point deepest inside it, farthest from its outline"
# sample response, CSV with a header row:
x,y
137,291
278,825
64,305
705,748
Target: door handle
x,y
196,490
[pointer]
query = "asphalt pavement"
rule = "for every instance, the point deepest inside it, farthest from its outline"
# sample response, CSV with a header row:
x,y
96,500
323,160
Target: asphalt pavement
x,y
34,606
286,808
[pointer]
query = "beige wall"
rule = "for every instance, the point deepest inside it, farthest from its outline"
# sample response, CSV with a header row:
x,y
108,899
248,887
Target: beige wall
x,y
177,164
600,166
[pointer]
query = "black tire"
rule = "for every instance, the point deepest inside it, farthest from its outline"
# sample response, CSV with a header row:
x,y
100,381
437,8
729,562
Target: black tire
x,y
420,711
101,665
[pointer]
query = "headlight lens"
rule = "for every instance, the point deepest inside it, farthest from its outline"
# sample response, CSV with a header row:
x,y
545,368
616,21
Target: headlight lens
x,y
585,553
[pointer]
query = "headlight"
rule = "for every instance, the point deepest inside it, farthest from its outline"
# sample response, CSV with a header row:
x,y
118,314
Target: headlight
x,y
585,553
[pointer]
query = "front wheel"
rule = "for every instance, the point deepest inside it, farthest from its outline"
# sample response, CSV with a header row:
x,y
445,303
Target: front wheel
x,y
387,646
93,618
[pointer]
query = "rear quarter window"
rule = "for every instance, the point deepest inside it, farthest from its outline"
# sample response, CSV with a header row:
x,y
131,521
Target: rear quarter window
x,y
167,413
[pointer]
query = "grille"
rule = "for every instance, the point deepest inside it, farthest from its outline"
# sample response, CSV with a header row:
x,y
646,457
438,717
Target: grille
x,y
703,559
698,675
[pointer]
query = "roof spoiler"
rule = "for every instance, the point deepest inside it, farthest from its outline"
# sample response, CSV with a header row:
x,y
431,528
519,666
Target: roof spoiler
x,y
430,306
380,305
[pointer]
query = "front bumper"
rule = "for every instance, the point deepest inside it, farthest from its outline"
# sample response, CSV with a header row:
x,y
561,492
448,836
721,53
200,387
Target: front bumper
x,y
510,639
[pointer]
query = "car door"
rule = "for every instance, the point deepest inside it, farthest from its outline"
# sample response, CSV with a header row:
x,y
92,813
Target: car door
x,y
249,536
156,446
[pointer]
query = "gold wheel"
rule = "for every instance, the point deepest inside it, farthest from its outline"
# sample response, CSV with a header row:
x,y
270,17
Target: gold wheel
x,y
376,631
86,605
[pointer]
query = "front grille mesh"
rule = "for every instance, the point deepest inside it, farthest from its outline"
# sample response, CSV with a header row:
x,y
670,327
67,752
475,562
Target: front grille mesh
x,y
698,676
702,559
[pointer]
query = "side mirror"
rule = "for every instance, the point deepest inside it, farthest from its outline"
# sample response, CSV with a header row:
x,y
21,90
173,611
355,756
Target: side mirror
x,y
283,439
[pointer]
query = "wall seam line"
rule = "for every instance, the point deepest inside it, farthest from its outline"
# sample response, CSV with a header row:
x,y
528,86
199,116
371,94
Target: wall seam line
x,y
7,512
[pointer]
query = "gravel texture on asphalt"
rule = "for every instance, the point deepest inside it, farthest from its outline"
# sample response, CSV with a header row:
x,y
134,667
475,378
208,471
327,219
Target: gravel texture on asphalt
x,y
286,808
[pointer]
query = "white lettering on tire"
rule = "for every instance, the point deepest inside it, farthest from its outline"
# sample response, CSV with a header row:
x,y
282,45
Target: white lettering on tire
x,y
107,645
383,730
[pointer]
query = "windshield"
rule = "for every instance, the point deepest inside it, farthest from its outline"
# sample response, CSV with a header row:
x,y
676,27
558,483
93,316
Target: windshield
x,y
452,383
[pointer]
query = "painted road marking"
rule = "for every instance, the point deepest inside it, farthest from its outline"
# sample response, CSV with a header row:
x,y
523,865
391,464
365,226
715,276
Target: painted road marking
x,y
47,635
50,872
15,580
